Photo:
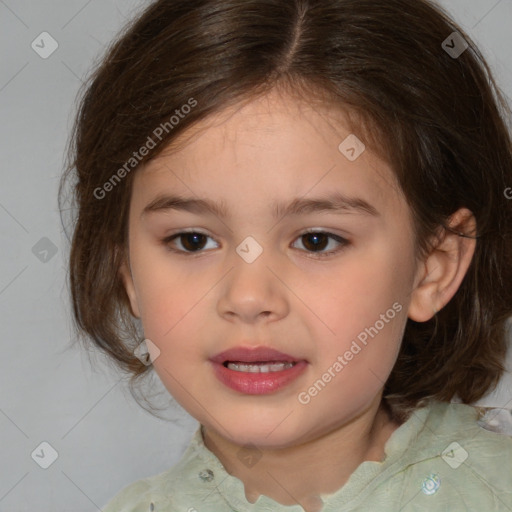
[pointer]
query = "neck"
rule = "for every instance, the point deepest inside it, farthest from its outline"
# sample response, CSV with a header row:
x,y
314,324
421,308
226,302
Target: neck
x,y
300,473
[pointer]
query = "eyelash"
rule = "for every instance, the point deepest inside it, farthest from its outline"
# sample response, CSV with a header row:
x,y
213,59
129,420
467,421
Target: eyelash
x,y
166,241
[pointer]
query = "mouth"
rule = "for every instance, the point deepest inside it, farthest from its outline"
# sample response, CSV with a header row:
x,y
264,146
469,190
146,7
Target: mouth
x,y
255,359
259,367
257,371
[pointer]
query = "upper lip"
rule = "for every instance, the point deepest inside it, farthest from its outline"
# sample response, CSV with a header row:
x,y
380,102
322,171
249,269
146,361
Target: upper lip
x,y
251,355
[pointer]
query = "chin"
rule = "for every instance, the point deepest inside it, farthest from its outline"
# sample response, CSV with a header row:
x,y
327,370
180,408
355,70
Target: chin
x,y
268,435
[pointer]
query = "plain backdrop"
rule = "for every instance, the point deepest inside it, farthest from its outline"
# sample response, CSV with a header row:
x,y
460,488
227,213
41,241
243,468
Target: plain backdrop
x,y
97,439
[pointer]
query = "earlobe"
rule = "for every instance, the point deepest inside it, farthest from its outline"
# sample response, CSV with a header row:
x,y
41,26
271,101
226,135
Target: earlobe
x,y
441,274
425,297
127,279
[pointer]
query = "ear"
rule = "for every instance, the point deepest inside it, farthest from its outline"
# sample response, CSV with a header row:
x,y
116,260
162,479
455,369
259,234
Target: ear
x,y
127,278
440,275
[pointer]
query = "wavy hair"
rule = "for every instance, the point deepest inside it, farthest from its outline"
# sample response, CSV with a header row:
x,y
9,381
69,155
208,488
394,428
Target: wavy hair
x,y
439,120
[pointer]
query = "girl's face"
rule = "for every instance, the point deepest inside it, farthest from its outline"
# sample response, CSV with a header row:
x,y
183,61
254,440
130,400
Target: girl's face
x,y
252,279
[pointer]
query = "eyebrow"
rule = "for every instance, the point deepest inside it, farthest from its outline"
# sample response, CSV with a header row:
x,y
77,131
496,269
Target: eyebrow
x,y
336,202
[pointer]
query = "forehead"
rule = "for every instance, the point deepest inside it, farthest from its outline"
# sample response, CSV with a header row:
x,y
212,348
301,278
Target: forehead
x,y
274,147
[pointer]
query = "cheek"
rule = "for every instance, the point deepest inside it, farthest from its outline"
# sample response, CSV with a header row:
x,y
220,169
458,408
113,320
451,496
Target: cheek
x,y
365,310
352,296
161,296
174,307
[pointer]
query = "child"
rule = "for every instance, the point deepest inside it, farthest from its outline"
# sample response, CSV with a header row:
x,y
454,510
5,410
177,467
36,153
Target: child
x,y
323,376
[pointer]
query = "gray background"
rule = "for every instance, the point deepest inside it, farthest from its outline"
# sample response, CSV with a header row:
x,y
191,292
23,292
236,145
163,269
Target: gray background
x,y
49,391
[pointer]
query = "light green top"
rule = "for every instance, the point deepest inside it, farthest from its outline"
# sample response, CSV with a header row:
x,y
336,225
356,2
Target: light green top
x,y
441,459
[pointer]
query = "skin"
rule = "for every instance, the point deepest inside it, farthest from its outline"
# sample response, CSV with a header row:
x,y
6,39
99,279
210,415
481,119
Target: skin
x,y
195,305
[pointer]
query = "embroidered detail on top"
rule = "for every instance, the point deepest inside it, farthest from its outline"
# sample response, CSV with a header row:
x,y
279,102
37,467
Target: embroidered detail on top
x,y
206,475
497,420
431,484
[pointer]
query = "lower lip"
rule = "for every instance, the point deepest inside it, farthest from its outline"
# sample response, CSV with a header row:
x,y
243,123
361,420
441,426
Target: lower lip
x,y
258,383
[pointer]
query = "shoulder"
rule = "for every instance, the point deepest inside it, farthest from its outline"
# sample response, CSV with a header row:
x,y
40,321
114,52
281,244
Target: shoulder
x,y
475,426
479,429
130,498
443,459
475,460
487,441
162,492
151,493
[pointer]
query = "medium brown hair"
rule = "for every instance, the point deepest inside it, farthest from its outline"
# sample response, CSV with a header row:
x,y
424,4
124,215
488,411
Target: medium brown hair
x,y
438,119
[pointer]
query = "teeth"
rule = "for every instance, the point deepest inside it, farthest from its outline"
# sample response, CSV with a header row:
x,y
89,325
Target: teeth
x,y
259,367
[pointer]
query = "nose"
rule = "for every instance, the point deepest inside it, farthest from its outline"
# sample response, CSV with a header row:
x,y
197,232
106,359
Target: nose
x,y
253,291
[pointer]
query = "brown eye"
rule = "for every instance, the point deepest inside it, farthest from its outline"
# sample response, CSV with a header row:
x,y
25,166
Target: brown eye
x,y
317,241
314,242
191,241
